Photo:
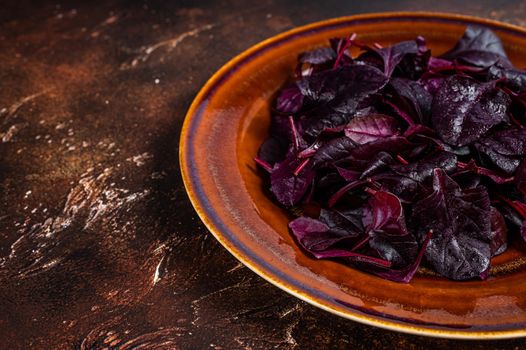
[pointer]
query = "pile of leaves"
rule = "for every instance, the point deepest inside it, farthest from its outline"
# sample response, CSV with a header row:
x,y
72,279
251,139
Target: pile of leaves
x,y
396,158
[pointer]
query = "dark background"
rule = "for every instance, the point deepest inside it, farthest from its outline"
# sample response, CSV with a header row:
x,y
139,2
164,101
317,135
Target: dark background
x,y
99,245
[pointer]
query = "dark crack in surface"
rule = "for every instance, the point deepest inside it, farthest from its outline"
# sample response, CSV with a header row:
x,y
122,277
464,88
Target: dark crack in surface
x,y
99,245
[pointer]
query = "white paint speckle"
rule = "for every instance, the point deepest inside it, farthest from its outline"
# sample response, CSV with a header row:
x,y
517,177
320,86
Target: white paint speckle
x,y
158,175
156,276
140,159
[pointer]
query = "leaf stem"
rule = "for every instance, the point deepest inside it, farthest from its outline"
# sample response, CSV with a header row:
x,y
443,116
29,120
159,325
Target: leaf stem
x,y
300,167
295,138
266,166
342,50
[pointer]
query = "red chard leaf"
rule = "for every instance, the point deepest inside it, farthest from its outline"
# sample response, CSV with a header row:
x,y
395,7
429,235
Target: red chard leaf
x,y
465,109
480,47
371,128
393,155
461,224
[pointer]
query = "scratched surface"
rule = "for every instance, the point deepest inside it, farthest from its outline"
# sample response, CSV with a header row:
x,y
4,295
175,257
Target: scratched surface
x,y
99,245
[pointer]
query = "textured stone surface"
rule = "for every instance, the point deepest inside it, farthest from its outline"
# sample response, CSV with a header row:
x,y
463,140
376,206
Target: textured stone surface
x,y
99,246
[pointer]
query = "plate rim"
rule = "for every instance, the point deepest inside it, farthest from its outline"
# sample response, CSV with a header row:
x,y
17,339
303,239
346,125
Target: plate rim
x,y
252,264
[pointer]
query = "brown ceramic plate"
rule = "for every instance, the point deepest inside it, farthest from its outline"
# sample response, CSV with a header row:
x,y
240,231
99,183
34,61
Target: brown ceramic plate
x,y
228,121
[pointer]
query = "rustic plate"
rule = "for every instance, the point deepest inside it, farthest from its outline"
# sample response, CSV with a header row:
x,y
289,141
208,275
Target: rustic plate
x,y
229,120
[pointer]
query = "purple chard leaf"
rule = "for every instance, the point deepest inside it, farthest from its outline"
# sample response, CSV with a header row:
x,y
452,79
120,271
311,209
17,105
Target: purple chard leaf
x,y
461,224
465,109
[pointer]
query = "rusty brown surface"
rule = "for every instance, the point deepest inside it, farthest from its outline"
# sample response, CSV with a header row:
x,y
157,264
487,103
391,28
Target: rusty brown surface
x,y
99,245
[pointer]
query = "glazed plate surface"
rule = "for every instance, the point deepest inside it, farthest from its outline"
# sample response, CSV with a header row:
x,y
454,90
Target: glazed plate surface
x,y
223,130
